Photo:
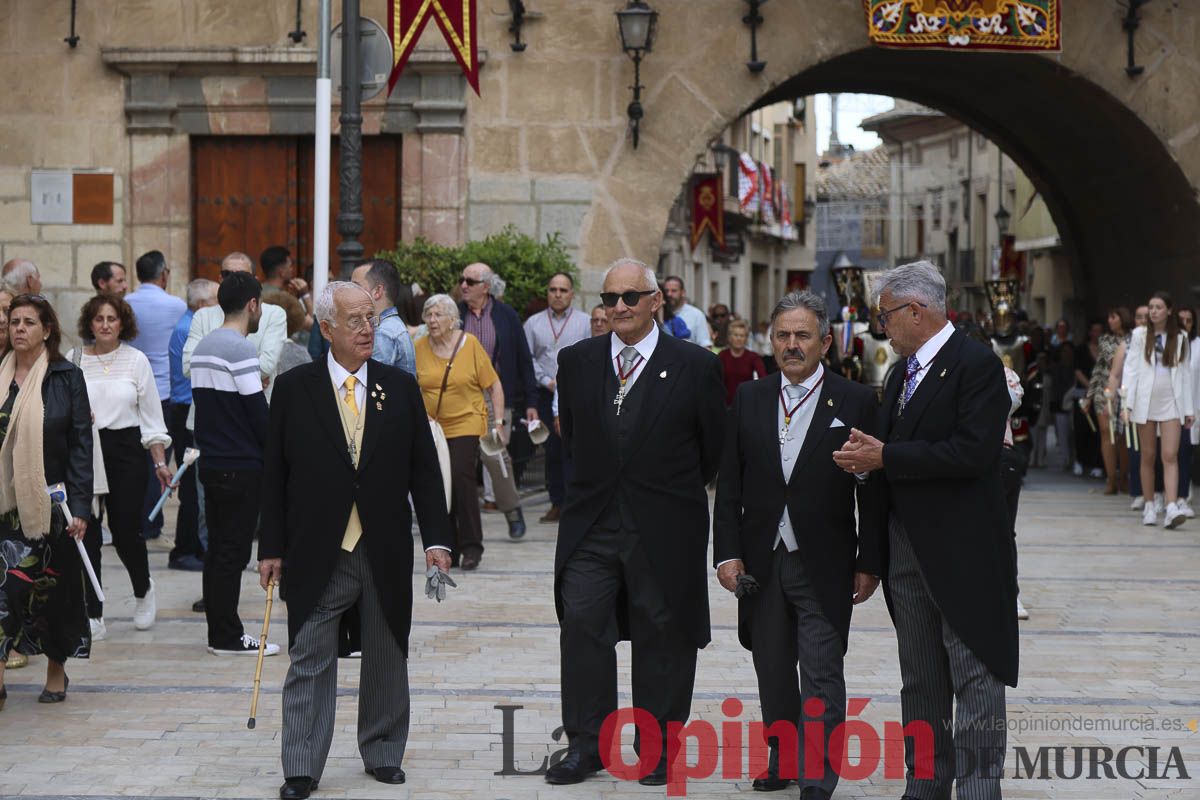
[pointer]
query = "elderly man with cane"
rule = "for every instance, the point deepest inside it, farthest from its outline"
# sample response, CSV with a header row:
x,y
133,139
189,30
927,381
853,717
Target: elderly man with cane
x,y
347,441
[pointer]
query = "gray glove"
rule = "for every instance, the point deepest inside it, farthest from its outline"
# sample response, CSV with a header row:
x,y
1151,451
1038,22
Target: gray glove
x,y
435,583
746,584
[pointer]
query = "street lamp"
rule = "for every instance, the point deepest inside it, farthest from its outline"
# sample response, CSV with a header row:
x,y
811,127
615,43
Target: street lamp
x,y
1002,218
721,153
636,23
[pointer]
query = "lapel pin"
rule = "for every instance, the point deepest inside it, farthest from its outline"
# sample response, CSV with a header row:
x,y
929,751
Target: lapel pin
x,y
383,395
662,374
378,406
943,374
829,402
378,387
373,394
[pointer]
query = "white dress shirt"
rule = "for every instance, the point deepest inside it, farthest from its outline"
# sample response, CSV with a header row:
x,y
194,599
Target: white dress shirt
x,y
645,349
338,374
928,351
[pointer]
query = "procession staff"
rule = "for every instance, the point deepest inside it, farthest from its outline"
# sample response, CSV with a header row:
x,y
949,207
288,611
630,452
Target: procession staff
x,y
642,417
950,581
347,442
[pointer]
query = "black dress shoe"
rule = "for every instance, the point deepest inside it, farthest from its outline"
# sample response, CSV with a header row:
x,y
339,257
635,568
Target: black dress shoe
x,y
198,606
297,788
814,793
48,696
387,774
574,768
770,783
656,778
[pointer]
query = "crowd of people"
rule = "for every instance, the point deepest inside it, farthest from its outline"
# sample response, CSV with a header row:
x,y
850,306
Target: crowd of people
x,y
239,370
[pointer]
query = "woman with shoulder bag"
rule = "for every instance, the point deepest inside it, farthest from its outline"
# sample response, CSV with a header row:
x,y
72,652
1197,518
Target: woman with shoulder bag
x,y
1157,384
45,439
454,371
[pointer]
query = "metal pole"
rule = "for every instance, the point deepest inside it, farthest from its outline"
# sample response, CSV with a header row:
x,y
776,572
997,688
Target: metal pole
x,y
350,219
324,108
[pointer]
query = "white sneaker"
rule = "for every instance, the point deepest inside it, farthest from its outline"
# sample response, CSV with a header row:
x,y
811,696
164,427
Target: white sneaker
x,y
1148,515
247,647
1186,507
1021,612
1077,469
98,629
1174,517
1159,503
1097,472
105,534
1138,503
146,610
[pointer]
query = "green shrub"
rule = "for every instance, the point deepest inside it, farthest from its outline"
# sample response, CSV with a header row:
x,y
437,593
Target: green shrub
x,y
524,263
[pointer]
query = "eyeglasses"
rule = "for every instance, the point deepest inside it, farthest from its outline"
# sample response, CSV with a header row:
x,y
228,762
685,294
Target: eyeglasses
x,y
469,281
359,324
883,315
630,298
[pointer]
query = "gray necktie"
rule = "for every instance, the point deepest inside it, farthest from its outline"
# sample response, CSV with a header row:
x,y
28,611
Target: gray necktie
x,y
628,356
792,391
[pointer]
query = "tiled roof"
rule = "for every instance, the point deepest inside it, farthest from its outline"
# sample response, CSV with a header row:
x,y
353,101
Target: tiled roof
x,y
861,175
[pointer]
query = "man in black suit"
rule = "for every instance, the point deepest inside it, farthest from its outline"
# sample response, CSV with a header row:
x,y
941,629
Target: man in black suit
x,y
785,514
950,581
348,440
642,415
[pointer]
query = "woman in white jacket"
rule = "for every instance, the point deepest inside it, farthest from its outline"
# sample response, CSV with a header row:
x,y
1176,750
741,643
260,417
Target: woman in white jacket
x,y
1157,385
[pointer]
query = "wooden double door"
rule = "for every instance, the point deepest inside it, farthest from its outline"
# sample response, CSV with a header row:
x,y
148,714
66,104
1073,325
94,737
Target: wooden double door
x,y
252,192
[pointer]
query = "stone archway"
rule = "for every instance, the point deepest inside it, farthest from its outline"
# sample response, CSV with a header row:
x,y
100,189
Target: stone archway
x,y
1117,159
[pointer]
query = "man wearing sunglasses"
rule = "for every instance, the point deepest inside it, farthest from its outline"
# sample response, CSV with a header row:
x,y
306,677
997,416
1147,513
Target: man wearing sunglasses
x,y
950,580
498,328
642,417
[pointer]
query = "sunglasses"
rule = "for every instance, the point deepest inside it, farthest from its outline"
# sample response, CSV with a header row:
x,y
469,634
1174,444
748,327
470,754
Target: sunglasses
x,y
883,315
469,281
630,298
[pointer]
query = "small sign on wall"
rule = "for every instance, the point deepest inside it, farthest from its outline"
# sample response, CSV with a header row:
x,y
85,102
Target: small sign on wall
x,y
67,197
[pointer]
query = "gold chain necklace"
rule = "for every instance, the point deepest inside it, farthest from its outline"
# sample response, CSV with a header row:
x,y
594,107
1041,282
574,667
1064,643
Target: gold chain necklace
x,y
100,358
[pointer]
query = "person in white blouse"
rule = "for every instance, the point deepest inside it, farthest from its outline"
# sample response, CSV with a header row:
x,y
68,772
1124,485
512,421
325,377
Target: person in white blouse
x,y
1157,386
128,416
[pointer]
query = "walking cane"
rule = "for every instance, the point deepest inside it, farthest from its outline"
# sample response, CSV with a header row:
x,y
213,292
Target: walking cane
x,y
262,648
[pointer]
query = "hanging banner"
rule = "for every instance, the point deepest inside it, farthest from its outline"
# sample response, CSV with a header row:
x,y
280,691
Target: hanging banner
x,y
766,203
460,27
788,230
708,209
966,24
747,184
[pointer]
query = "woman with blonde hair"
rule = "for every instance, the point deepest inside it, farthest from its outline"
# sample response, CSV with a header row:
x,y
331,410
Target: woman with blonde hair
x,y
45,439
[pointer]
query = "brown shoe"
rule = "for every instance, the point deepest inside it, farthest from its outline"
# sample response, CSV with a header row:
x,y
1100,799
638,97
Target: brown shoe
x,y
489,506
552,515
469,563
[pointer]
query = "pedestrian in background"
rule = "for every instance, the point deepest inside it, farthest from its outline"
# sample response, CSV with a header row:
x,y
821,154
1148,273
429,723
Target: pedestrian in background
x,y
123,395
45,438
1104,397
738,363
677,303
279,277
599,321
108,277
548,333
1187,327
393,344
21,276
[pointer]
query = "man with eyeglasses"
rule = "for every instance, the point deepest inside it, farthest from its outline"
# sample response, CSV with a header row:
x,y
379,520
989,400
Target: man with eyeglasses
x,y
950,580
642,417
549,332
498,328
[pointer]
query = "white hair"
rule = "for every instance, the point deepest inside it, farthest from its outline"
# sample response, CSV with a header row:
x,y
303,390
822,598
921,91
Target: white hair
x,y
920,281
200,290
16,280
444,303
647,274
324,308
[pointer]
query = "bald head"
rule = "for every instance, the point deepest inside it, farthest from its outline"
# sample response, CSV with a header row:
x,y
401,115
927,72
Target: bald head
x,y
21,276
237,262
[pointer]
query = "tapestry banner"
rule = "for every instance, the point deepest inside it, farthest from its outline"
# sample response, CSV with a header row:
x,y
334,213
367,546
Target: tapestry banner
x,y
966,24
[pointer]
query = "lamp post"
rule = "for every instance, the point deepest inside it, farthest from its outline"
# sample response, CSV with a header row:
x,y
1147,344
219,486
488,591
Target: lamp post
x,y
636,23
350,218
1002,219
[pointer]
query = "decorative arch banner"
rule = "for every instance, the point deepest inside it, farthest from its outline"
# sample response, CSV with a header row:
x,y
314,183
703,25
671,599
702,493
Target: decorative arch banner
x,y
708,209
1013,25
458,21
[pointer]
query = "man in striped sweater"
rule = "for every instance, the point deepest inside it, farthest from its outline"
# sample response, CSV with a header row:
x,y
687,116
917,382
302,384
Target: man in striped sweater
x,y
231,429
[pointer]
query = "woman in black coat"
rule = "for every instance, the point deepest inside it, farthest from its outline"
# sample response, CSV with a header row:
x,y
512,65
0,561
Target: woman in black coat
x,y
45,438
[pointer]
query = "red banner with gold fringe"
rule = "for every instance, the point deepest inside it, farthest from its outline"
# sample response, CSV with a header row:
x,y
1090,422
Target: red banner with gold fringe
x,y
460,27
1022,25
708,209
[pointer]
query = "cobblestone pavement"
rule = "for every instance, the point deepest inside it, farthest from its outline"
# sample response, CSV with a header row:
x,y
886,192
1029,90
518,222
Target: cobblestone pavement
x,y
1113,642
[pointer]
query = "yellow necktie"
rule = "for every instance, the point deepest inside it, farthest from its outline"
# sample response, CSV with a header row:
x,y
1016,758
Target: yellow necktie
x,y
350,399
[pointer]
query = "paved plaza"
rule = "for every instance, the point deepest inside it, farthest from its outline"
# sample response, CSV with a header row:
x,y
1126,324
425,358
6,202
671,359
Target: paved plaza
x,y
1113,642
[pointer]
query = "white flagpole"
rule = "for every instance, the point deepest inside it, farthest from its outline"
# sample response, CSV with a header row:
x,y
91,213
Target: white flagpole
x,y
324,110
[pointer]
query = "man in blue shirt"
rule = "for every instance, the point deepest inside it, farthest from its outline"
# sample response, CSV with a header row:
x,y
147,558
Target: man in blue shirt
x,y
157,313
191,535
393,345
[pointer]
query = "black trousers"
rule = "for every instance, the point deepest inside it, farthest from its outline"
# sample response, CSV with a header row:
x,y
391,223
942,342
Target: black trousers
x,y
789,629
187,524
465,522
555,474
606,565
231,505
153,528
126,467
1012,473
